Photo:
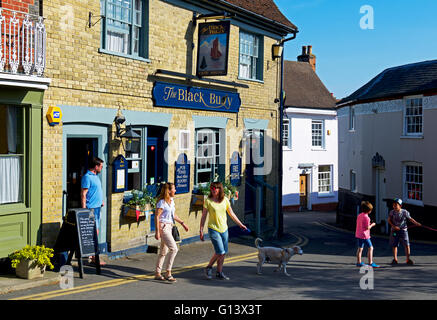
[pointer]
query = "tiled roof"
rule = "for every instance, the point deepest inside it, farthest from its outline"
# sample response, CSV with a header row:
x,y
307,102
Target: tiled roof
x,y
399,81
265,8
303,88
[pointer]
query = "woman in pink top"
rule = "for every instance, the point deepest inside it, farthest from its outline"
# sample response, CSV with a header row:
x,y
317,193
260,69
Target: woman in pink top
x,y
362,234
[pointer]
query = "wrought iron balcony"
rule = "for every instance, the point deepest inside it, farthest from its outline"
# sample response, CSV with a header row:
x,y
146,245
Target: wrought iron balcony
x,y
23,43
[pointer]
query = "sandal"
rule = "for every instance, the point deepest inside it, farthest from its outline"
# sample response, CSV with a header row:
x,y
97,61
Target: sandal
x,y
171,279
159,277
394,262
410,262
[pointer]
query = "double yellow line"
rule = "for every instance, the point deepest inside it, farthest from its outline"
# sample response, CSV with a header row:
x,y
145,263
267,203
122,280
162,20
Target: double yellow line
x,y
302,241
123,281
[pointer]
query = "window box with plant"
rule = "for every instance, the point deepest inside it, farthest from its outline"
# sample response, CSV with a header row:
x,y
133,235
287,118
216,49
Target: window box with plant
x,y
31,261
139,204
203,190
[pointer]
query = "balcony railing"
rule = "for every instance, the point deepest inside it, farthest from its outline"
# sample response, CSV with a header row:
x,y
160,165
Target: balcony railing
x,y
22,43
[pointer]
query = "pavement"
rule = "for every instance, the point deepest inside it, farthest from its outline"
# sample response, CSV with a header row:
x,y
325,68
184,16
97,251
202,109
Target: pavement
x,y
326,248
137,264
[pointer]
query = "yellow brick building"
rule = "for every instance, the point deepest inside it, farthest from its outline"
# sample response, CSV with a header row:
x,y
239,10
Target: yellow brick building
x,y
105,58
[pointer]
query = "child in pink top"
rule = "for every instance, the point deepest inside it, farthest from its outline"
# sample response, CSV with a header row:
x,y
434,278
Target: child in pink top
x,y
362,234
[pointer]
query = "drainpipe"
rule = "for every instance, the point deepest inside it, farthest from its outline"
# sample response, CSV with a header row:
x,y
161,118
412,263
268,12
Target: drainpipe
x,y
280,230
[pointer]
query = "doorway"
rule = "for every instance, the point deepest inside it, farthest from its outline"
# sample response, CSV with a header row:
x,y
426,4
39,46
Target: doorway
x,y
80,151
81,143
303,191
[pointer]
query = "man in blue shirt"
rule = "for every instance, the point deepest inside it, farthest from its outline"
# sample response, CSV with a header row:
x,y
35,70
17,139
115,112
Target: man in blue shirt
x,y
92,193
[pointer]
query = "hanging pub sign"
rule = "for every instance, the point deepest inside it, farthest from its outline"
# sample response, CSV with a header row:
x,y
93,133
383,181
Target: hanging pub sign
x,y
119,171
182,174
182,96
236,169
213,48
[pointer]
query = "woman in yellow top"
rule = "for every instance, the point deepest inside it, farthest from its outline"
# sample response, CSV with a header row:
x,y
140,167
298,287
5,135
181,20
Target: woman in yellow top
x,y
217,205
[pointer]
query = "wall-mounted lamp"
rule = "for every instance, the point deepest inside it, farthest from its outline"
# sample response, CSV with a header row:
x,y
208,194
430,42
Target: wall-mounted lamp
x,y
129,135
90,16
277,49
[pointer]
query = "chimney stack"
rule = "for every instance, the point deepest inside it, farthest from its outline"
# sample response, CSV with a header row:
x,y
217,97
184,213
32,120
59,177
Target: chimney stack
x,y
308,56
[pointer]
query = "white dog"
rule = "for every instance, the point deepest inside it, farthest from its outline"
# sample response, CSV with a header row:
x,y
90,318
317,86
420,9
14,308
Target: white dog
x,y
275,255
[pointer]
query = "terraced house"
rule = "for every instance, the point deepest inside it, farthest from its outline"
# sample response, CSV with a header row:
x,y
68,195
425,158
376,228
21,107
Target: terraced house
x,y
161,90
386,145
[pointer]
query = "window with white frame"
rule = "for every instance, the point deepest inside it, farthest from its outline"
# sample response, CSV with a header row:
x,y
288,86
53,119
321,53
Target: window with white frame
x,y
317,133
325,184
353,180
207,155
413,182
286,138
413,116
184,140
250,56
123,27
351,118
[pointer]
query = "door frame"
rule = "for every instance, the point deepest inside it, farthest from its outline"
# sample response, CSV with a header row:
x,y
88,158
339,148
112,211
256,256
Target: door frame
x,y
76,130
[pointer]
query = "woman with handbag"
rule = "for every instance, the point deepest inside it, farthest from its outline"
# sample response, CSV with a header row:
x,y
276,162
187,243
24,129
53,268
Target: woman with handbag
x,y
164,219
218,207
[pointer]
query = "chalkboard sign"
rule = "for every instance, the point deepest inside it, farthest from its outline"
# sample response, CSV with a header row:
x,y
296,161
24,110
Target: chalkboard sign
x,y
182,174
86,228
78,235
236,169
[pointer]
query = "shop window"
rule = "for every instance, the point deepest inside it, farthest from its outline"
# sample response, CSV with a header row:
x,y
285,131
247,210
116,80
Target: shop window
x,y
124,27
146,158
251,56
208,153
11,154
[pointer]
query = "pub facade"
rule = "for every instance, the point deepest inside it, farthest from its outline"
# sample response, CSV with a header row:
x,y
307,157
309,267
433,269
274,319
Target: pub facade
x,y
162,91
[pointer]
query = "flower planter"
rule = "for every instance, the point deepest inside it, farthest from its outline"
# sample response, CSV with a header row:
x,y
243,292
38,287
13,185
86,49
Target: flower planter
x,y
28,269
136,212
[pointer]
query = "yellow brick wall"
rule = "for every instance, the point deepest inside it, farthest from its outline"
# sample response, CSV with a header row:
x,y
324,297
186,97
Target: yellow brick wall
x,y
81,76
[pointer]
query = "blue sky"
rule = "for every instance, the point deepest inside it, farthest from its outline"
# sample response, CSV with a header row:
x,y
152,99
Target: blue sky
x,y
404,32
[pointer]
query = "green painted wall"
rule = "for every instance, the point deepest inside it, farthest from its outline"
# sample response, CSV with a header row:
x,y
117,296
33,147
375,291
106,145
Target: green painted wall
x,y
20,223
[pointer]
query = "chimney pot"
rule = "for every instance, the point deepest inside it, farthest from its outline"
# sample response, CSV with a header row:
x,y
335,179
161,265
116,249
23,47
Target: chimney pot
x,y
310,50
304,50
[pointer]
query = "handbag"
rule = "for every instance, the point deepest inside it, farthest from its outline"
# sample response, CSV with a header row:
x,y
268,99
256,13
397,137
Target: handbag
x,y
175,232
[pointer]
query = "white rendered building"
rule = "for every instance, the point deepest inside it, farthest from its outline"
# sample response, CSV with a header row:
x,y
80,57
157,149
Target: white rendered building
x,y
310,139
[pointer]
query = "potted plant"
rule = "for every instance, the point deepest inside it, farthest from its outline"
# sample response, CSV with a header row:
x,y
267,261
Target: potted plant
x,y
140,203
31,261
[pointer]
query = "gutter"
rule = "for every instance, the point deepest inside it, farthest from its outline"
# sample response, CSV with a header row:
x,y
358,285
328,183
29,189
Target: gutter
x,y
281,157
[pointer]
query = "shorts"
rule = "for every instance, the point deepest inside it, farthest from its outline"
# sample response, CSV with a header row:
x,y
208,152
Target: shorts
x,y
362,242
397,237
97,216
219,241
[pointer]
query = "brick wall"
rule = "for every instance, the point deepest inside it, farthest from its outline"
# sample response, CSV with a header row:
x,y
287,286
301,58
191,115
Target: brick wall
x,y
81,76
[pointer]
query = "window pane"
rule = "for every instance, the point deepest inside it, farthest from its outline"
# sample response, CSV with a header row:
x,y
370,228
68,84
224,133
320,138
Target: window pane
x,y
249,52
11,154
